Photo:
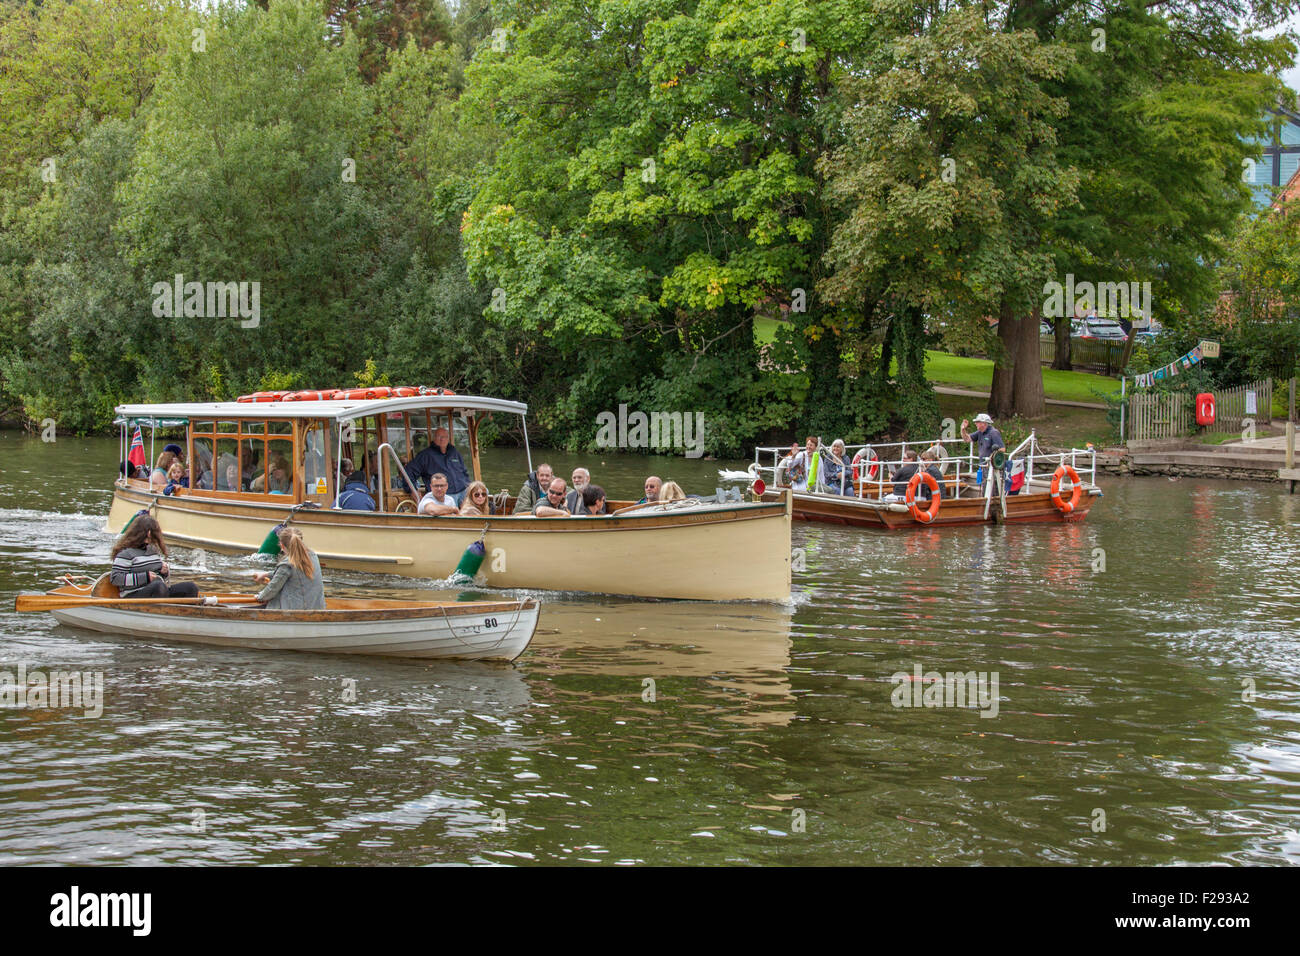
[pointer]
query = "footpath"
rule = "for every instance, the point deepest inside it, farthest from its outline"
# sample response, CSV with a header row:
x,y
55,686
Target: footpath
x,y
970,393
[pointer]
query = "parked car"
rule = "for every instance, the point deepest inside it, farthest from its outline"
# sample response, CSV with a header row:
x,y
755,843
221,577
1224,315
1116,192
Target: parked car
x,y
1107,330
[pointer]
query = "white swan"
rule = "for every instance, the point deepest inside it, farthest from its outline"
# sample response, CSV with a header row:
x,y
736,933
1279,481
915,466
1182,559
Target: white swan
x,y
748,475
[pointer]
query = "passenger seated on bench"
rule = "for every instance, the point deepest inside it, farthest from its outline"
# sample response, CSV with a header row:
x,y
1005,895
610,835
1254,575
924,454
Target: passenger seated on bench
x,y
902,476
355,494
477,500
553,505
593,501
930,462
836,470
671,491
139,569
438,501
534,489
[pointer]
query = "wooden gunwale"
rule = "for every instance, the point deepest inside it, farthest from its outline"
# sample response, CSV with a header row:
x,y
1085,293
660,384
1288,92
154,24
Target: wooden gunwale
x,y
388,521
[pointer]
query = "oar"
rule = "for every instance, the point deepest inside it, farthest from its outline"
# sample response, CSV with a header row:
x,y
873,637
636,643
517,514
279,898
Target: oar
x,y
52,602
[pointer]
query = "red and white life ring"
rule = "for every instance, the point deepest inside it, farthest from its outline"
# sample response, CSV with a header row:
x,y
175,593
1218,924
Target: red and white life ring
x,y
921,514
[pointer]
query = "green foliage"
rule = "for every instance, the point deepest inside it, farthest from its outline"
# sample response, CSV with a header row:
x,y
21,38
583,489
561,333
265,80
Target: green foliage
x,y
370,377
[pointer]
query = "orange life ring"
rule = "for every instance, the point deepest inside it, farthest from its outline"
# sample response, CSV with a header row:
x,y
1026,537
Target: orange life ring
x,y
364,394
426,390
262,397
920,514
1065,507
405,391
309,396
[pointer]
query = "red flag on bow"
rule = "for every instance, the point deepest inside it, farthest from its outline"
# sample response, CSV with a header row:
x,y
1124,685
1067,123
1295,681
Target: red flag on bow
x,y
135,457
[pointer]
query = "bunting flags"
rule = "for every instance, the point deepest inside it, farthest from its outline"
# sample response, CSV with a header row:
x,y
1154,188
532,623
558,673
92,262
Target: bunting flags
x,y
1178,365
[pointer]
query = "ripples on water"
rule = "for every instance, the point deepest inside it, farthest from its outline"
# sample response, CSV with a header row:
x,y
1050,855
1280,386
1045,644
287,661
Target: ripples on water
x,y
767,735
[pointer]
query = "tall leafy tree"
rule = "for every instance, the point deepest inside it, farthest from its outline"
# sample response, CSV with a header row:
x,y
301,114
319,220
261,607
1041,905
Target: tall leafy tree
x,y
950,177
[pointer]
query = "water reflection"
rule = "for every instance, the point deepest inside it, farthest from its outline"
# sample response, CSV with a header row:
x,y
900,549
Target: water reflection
x,y
1161,686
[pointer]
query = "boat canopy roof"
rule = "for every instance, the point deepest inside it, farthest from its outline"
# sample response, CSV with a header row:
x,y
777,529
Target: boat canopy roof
x,y
337,410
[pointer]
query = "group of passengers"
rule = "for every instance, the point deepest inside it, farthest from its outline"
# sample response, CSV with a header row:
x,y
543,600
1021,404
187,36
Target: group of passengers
x,y
817,467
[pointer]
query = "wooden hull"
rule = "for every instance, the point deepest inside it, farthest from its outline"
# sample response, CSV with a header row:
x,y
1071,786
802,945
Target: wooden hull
x,y
874,513
497,630
686,554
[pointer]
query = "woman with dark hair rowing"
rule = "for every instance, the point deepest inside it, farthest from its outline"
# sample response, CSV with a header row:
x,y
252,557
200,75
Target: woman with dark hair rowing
x,y
139,570
295,584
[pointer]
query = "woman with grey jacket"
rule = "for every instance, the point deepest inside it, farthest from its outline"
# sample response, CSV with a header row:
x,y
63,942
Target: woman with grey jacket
x,y
295,585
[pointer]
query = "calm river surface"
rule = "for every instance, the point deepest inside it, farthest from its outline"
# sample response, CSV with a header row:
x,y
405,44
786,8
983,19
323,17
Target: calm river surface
x,y
1126,728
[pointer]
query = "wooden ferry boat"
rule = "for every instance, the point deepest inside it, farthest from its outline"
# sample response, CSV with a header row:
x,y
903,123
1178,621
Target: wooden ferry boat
x,y
478,630
1055,487
684,551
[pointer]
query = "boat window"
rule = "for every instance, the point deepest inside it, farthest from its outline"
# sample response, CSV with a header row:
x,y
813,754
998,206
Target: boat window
x,y
252,459
204,427
201,467
419,426
228,427
227,471
459,432
280,427
254,428
279,477
313,464
397,434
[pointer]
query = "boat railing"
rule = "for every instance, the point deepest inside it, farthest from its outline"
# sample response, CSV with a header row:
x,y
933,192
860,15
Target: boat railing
x,y
401,469
886,457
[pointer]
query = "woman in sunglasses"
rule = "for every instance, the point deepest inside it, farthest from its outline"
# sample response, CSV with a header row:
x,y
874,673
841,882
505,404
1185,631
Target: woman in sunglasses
x,y
476,501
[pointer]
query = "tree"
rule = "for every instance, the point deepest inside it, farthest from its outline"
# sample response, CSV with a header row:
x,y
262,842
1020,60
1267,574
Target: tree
x,y
249,170
657,188
949,178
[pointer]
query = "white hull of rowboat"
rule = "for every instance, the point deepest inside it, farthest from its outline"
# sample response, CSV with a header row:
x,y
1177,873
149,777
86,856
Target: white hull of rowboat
x,y
495,631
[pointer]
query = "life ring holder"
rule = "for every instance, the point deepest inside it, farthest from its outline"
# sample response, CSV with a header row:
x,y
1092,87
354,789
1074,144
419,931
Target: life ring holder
x,y
924,515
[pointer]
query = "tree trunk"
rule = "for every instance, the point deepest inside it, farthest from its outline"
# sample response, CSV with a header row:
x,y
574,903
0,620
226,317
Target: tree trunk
x,y
1030,401
1018,374
1002,394
1063,357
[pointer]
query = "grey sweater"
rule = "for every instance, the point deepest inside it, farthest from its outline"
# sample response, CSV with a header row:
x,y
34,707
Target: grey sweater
x,y
132,567
291,590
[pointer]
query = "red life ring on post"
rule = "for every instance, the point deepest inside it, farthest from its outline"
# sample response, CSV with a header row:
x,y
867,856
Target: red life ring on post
x,y
920,514
1065,507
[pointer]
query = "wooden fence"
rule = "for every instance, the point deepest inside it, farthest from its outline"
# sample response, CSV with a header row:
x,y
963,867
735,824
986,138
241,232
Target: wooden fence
x,y
1233,406
1096,354
1155,415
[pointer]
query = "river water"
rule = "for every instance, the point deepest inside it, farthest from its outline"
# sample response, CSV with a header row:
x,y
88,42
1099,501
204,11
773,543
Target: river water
x,y
1147,707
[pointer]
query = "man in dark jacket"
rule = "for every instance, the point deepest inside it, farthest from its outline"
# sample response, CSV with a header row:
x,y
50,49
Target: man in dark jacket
x,y
531,493
441,457
354,495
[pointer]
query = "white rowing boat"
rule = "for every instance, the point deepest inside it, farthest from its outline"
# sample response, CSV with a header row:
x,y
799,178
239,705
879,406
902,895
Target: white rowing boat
x,y
478,630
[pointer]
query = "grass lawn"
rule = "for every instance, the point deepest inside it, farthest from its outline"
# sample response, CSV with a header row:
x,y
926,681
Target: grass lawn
x,y
765,330
976,373
1062,427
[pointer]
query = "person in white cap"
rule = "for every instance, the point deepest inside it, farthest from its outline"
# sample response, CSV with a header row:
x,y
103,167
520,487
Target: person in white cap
x,y
987,438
